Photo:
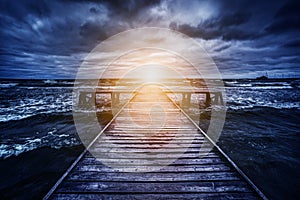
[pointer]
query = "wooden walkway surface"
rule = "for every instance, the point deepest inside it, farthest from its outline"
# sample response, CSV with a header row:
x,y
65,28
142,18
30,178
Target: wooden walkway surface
x,y
140,152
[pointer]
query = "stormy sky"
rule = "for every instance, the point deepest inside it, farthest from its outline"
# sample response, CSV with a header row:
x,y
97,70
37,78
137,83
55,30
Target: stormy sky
x,y
49,39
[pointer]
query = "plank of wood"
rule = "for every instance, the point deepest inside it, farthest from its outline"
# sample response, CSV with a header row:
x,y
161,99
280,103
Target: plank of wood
x,y
190,154
149,152
154,161
181,196
144,138
147,120
150,187
173,145
153,176
186,155
152,136
169,168
145,129
121,138
155,126
153,133
133,112
189,143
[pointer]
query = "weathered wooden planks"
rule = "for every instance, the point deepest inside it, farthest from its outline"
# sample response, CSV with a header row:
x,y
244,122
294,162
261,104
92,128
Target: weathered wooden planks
x,y
131,142
155,161
153,176
153,187
170,168
181,196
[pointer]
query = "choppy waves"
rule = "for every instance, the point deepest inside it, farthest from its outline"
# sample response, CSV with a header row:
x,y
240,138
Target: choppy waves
x,y
51,139
8,85
23,99
21,103
267,84
245,98
23,109
50,130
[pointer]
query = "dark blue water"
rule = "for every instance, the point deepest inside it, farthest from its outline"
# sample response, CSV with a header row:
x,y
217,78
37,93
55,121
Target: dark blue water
x,y
261,134
264,142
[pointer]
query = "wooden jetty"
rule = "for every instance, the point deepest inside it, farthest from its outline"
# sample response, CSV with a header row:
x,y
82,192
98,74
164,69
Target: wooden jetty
x,y
87,97
135,167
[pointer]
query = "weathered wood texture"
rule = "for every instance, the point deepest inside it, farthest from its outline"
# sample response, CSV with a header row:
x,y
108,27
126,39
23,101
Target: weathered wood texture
x,y
155,131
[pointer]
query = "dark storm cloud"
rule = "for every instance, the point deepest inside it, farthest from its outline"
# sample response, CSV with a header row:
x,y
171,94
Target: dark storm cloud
x,y
67,23
213,30
226,46
50,38
286,19
292,44
19,9
129,8
235,20
119,11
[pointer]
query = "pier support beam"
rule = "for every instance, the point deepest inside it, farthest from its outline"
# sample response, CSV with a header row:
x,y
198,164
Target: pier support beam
x,y
186,99
115,97
218,99
207,99
86,99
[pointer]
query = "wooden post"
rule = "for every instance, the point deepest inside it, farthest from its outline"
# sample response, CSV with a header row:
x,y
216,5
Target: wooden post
x,y
216,98
81,99
221,99
95,100
188,99
183,99
112,97
92,100
86,99
207,99
117,97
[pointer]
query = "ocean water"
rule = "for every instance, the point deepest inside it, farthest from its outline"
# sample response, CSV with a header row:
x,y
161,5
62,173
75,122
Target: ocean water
x,y
261,133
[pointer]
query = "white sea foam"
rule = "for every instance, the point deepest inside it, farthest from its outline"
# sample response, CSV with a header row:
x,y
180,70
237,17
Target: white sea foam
x,y
21,108
272,87
50,82
259,84
50,139
8,85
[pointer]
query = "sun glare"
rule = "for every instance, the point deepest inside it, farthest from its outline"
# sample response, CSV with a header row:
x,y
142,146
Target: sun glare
x,y
152,73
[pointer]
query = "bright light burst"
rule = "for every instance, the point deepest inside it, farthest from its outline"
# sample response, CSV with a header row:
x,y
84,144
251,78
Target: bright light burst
x,y
153,73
